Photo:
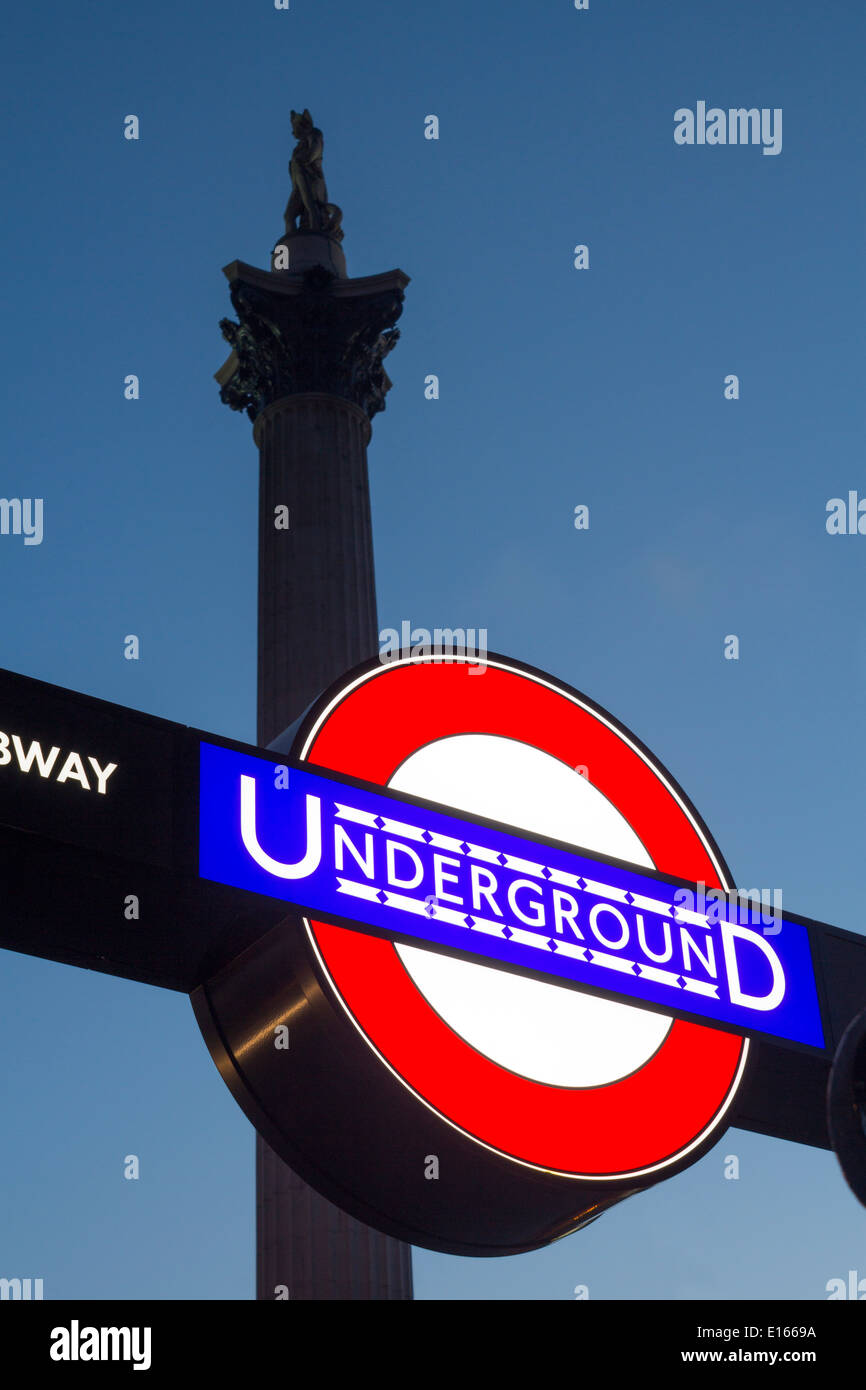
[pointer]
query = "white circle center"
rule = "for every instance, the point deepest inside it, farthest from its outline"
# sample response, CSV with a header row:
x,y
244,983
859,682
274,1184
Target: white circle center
x,y
545,1032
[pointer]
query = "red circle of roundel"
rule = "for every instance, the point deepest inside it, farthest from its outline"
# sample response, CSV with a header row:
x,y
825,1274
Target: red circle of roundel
x,y
625,1127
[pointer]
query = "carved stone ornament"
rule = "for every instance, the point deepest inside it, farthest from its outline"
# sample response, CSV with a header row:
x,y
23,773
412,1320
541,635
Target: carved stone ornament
x,y
312,340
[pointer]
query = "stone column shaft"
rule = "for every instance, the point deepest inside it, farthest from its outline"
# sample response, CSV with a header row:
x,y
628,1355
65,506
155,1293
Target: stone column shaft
x,y
306,366
317,595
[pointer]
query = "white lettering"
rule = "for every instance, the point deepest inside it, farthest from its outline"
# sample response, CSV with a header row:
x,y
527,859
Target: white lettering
x,y
666,934
561,913
708,961
25,761
594,913
74,768
730,932
342,841
76,1343
102,774
480,891
440,876
392,848
538,919
313,854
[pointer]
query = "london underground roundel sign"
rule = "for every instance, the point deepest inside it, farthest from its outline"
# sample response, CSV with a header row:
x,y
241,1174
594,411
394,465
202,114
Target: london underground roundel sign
x,y
447,1100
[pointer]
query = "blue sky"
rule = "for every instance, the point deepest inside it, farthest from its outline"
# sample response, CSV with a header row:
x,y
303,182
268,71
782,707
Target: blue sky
x,y
558,387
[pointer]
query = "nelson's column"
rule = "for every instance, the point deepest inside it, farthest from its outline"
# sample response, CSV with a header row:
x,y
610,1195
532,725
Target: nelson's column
x,y
307,367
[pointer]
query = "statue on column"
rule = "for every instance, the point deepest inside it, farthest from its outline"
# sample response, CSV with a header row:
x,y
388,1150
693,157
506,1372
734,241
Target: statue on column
x,y
308,201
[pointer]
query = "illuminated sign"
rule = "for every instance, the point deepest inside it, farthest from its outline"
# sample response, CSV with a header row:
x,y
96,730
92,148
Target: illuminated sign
x,y
50,762
356,855
487,865
85,772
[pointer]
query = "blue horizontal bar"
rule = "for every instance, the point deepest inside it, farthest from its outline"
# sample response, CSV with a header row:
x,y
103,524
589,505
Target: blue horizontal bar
x,y
374,860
